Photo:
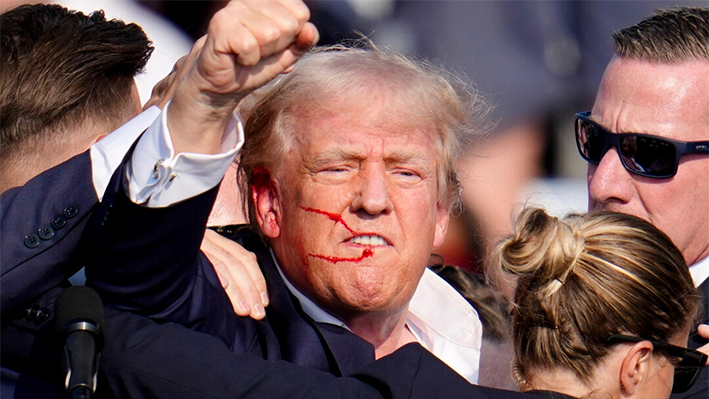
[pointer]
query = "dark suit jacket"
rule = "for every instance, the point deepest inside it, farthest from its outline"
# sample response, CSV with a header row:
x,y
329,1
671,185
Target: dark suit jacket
x,y
148,261
144,359
700,390
40,229
49,210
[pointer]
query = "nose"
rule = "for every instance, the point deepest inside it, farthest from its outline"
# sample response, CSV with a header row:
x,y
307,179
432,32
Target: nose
x,y
608,182
372,196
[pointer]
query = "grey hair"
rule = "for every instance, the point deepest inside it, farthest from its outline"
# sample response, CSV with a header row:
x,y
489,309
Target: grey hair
x,y
425,92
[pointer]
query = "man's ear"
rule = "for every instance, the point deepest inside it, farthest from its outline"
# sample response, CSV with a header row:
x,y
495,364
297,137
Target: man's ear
x,y
264,193
635,367
442,220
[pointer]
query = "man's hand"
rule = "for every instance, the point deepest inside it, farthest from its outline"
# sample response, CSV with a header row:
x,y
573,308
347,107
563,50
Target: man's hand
x,y
164,90
249,42
704,333
239,274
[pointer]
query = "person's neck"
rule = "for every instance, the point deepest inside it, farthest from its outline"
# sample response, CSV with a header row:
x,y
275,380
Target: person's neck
x,y
704,254
386,332
565,382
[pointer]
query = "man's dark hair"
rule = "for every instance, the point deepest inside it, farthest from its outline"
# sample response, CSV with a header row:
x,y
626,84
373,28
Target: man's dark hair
x,y
668,36
61,67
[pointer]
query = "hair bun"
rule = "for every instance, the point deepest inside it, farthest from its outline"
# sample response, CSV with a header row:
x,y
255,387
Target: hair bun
x,y
541,247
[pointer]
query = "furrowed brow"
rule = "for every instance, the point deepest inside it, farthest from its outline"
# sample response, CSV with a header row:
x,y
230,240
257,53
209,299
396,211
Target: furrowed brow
x,y
404,157
332,156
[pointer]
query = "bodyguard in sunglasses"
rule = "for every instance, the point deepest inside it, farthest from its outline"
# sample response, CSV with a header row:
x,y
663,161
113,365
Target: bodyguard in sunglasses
x,y
647,139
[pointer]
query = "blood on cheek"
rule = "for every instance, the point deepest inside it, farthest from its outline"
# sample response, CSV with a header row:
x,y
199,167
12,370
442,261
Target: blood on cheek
x,y
366,253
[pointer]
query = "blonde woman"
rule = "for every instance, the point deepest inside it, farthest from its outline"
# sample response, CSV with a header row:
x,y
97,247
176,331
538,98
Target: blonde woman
x,y
602,308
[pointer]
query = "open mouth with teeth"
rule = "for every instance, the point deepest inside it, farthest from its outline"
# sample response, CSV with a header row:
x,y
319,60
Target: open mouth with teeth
x,y
368,240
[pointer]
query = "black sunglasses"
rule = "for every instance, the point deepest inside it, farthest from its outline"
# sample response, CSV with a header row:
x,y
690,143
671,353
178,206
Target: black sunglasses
x,y
689,361
642,154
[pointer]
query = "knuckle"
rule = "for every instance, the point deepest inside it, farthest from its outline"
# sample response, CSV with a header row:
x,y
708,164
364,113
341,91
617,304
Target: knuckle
x,y
220,18
248,44
290,25
301,12
269,34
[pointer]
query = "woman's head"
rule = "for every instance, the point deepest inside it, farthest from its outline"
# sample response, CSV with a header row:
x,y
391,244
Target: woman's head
x,y
585,278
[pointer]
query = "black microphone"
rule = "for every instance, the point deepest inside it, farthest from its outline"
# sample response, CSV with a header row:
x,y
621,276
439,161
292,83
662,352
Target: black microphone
x,y
80,324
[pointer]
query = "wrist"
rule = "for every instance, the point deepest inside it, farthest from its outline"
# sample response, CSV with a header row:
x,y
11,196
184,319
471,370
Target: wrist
x,y
197,125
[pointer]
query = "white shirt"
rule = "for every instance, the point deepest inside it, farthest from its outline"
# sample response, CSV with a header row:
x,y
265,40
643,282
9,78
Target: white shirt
x,y
700,271
441,320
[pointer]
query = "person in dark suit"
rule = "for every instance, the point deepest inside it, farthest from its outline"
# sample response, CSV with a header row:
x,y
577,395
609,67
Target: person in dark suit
x,y
67,81
84,192
49,116
137,351
602,308
399,222
656,86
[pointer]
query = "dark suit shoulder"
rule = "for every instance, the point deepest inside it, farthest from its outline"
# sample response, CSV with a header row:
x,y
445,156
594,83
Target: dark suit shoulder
x,y
700,390
40,228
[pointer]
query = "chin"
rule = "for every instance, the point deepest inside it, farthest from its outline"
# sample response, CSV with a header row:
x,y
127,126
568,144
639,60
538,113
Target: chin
x,y
367,300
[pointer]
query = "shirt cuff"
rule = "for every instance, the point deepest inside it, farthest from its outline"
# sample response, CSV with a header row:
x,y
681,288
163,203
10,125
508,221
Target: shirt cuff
x,y
159,178
107,154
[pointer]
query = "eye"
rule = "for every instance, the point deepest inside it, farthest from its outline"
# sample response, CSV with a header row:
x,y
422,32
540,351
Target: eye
x,y
336,169
410,173
406,175
335,173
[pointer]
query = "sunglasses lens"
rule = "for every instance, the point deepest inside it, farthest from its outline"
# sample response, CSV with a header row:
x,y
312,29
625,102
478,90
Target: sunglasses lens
x,y
589,140
684,378
648,156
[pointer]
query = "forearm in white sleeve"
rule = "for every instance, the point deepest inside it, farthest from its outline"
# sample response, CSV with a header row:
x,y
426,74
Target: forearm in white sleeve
x,y
157,177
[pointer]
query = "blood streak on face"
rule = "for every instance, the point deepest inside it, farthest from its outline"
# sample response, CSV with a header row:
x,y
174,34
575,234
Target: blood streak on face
x,y
334,217
366,253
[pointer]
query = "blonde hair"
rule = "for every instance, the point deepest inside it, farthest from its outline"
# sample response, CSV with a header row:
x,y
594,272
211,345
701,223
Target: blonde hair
x,y
417,91
586,277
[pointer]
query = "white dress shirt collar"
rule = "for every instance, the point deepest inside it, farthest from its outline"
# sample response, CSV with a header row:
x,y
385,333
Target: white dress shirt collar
x,y
309,307
700,271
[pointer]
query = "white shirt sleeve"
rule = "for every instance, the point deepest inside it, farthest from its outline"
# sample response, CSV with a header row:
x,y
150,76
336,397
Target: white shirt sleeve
x,y
157,177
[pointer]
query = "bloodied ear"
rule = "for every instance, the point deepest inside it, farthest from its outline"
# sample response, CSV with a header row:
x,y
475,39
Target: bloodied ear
x,y
264,193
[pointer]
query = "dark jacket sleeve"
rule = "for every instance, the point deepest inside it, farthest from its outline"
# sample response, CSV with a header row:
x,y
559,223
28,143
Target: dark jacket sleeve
x,y
148,261
144,359
40,229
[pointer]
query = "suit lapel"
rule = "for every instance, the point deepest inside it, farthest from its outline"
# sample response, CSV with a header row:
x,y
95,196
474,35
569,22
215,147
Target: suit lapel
x,y
302,341
348,351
